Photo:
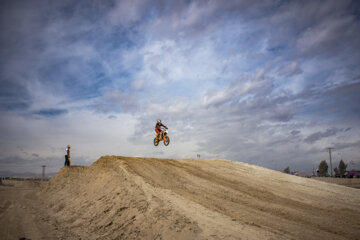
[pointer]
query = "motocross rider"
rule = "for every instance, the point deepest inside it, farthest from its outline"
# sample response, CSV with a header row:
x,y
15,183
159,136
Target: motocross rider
x,y
158,129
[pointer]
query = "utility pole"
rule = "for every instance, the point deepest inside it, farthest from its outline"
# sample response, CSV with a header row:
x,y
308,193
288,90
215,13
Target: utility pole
x,y
331,170
43,173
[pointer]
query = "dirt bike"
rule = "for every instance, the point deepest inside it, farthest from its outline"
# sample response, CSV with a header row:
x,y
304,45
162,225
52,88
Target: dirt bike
x,y
162,136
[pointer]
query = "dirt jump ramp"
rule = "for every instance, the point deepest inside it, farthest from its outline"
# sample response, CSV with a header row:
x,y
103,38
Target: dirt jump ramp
x,y
148,198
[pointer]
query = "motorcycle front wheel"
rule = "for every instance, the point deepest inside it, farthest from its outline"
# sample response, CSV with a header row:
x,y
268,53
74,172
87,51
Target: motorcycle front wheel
x,y
166,140
156,142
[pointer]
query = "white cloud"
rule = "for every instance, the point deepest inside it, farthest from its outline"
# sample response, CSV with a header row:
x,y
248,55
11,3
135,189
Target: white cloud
x,y
290,69
169,61
91,135
231,79
117,100
137,84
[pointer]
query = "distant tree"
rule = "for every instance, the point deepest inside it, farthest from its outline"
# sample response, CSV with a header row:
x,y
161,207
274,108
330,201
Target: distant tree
x,y
323,169
287,170
342,167
337,172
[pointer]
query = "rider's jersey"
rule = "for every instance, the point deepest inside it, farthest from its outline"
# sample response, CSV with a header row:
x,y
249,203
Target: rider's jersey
x,y
158,126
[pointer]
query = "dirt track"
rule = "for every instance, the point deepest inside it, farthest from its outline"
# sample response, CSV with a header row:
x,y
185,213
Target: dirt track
x,y
21,215
137,198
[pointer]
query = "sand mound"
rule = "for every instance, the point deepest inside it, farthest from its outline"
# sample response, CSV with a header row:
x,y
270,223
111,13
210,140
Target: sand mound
x,y
147,198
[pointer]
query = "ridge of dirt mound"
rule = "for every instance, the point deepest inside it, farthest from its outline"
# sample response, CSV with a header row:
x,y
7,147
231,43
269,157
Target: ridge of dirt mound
x,y
149,198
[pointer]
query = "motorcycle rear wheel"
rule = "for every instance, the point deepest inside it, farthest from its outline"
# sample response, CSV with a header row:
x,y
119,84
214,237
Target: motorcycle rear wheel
x,y
166,140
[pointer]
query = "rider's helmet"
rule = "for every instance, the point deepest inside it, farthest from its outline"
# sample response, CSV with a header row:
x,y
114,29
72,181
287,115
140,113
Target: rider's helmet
x,y
68,146
158,121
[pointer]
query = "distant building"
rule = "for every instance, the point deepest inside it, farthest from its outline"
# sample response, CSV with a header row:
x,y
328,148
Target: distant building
x,y
352,174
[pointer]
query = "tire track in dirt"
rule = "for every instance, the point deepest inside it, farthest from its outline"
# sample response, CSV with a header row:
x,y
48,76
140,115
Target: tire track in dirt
x,y
233,198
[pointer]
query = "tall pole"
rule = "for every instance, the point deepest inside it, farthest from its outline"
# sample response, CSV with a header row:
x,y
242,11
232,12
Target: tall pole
x,y
43,173
331,170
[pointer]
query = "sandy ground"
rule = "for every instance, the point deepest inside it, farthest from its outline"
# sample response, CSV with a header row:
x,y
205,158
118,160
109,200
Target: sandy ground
x,y
146,198
21,215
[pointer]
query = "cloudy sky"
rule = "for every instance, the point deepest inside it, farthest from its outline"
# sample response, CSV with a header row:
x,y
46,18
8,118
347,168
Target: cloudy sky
x,y
271,83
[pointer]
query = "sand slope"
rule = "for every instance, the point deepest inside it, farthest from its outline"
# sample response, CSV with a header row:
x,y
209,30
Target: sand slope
x,y
147,198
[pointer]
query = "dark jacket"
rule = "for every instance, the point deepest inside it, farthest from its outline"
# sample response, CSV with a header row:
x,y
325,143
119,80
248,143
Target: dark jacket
x,y
159,125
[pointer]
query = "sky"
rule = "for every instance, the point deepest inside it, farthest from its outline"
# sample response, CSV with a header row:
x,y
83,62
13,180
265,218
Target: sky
x,y
271,83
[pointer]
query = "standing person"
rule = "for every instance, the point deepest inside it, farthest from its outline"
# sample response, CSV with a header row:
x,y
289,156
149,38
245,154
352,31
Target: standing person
x,y
158,129
67,156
